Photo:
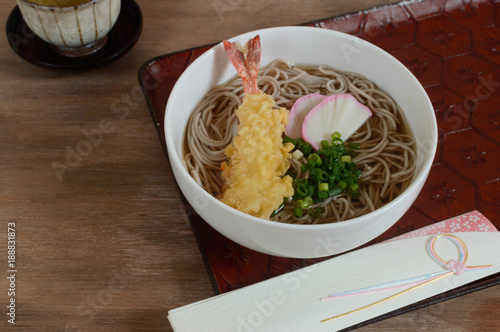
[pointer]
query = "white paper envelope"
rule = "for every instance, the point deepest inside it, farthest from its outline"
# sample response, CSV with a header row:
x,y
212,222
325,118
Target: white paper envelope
x,y
292,302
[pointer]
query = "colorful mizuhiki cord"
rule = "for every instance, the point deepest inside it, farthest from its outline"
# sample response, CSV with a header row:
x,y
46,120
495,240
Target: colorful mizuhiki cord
x,y
453,267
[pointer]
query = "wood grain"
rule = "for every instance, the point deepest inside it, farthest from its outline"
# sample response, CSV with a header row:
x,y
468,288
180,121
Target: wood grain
x,y
103,243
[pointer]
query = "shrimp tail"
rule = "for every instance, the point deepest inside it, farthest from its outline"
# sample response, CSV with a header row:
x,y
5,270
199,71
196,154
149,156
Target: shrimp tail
x,y
246,62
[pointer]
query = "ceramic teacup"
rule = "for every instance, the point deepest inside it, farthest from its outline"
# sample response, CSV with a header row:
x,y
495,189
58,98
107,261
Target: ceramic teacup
x,y
74,28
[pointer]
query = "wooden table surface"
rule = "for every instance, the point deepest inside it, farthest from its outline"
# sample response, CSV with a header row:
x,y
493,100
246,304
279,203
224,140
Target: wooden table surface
x,y
103,243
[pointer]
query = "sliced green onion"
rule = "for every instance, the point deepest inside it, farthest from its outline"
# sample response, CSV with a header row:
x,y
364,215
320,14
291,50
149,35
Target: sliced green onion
x,y
335,191
303,146
321,175
310,191
354,146
336,135
354,188
301,204
323,152
305,203
328,172
322,194
336,170
342,185
315,158
301,181
287,139
346,159
316,213
351,179
301,190
277,210
310,164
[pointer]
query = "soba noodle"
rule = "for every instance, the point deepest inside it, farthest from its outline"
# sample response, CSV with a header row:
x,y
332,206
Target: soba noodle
x,y
387,156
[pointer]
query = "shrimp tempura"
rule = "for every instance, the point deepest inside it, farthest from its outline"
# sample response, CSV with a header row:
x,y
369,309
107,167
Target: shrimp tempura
x,y
257,159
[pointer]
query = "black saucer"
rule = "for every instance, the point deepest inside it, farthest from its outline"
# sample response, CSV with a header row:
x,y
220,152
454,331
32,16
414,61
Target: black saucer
x,y
121,38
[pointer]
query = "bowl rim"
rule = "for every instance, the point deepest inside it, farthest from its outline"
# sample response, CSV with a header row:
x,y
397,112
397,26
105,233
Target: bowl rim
x,y
84,4
418,179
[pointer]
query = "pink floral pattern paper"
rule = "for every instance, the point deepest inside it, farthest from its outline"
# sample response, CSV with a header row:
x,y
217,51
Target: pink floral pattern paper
x,y
469,222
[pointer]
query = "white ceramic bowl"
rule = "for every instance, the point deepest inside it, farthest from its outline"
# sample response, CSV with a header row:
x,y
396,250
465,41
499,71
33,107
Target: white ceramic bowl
x,y
301,45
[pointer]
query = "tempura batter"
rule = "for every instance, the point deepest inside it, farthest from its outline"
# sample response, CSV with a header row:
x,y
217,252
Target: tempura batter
x,y
254,180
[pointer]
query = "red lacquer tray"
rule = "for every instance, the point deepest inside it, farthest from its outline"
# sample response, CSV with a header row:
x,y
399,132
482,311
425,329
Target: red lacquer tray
x,y
453,48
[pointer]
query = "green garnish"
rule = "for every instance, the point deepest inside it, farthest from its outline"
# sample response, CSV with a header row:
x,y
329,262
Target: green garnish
x,y
331,173
275,212
317,212
297,212
346,159
299,144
